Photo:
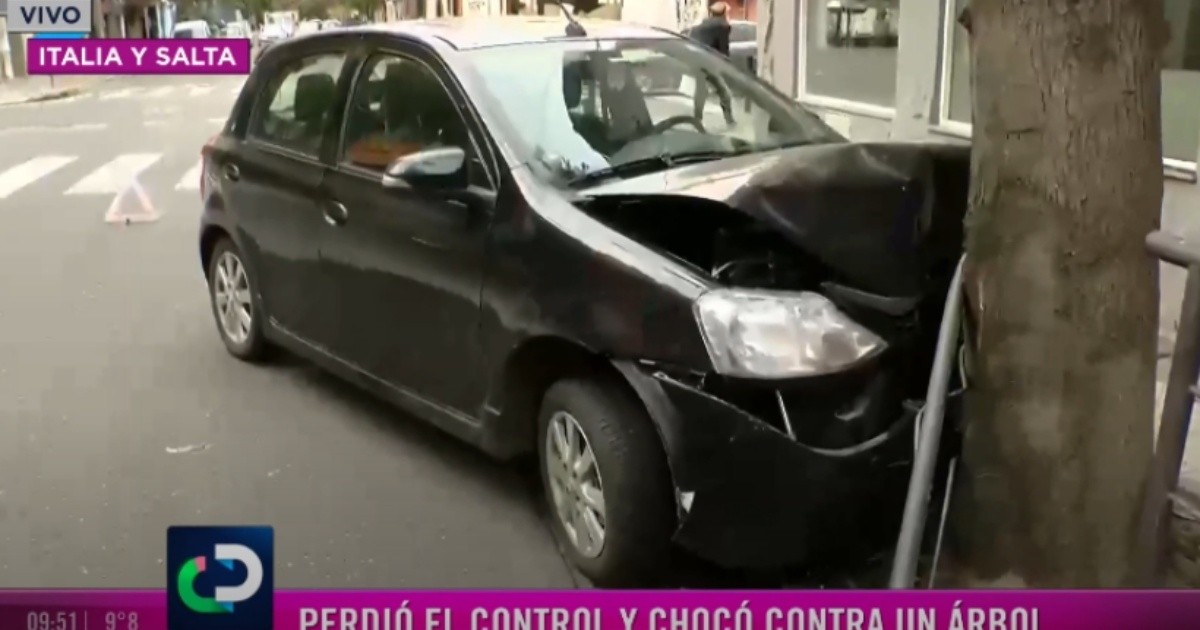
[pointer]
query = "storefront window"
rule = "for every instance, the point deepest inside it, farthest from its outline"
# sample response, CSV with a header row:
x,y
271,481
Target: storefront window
x,y
959,91
1180,79
851,50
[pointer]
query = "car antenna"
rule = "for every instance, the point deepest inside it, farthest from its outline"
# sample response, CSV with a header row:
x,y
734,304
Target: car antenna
x,y
574,28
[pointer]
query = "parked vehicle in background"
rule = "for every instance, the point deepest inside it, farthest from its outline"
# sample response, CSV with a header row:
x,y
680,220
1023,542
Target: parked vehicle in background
x,y
309,26
272,33
284,21
328,24
192,29
236,30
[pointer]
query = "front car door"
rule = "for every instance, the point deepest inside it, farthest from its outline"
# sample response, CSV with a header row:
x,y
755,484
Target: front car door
x,y
272,179
405,266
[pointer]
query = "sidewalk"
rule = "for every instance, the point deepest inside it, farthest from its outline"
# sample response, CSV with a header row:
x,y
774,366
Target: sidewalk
x,y
42,88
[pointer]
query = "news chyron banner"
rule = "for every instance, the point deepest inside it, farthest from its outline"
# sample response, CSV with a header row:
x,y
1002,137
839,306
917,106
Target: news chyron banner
x,y
223,578
61,46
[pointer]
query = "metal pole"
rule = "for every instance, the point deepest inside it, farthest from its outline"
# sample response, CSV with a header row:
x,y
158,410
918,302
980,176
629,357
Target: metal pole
x,y
908,547
1177,410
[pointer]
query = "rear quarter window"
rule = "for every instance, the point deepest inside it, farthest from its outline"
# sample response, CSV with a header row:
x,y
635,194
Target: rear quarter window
x,y
293,110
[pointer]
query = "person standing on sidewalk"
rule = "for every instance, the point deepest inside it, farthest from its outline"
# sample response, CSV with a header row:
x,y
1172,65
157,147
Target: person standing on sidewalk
x,y
713,32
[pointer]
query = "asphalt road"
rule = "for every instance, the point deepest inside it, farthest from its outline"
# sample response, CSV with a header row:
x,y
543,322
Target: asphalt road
x,y
124,415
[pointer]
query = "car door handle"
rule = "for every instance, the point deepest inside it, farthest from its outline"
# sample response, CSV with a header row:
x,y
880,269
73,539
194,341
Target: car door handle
x,y
233,172
336,213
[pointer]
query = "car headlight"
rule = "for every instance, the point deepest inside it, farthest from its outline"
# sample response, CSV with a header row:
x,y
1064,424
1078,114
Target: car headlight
x,y
776,334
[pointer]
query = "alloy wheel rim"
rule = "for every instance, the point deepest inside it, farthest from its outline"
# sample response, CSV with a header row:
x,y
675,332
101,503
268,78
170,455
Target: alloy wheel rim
x,y
576,488
231,295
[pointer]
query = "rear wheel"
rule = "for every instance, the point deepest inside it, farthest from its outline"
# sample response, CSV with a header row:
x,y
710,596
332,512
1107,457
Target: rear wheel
x,y
606,483
234,305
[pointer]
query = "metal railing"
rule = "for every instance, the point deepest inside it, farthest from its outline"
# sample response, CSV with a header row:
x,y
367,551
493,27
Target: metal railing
x,y
1182,392
929,436
1180,396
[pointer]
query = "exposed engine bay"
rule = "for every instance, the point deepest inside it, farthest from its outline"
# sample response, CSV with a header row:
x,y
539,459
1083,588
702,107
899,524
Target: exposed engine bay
x,y
876,229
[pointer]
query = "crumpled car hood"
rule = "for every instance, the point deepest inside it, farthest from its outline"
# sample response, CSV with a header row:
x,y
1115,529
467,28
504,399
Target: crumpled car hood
x,y
877,214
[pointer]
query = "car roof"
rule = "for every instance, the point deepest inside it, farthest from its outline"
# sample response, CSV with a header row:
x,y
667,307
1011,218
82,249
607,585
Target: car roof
x,y
467,33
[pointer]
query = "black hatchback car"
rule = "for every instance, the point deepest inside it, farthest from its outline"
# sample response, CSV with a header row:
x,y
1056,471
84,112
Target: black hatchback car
x,y
713,335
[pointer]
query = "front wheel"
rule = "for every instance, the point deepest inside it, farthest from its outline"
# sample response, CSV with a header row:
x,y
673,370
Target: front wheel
x,y
606,483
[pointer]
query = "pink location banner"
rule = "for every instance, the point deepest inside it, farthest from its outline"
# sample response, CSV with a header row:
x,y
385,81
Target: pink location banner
x,y
138,56
635,610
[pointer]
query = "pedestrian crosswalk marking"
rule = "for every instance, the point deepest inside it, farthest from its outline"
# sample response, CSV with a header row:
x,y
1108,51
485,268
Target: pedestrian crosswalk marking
x,y
30,171
114,176
196,90
191,179
54,128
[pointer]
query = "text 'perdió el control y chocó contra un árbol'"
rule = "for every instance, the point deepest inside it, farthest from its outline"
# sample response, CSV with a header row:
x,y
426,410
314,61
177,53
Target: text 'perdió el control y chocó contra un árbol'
x,y
958,617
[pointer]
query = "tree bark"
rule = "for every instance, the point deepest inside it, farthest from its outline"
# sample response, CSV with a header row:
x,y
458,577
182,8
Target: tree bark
x,y
1066,181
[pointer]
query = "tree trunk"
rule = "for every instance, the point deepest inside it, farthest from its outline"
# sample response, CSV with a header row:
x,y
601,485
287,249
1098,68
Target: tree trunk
x,y
1066,183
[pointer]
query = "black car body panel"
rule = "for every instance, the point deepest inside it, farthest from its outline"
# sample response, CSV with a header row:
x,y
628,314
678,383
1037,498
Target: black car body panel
x,y
878,215
526,279
729,466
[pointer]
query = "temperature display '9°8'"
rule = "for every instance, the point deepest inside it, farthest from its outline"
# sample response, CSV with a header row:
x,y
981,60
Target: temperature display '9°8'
x,y
79,621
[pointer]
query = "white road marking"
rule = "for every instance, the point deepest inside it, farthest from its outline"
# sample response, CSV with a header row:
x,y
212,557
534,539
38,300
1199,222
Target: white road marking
x,y
114,176
160,92
191,179
26,173
199,90
125,93
54,129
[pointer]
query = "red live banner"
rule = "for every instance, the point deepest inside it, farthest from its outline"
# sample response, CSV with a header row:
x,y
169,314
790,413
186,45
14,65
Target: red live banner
x,y
632,610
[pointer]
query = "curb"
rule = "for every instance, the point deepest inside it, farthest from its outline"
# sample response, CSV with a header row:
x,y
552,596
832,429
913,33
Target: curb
x,y
55,94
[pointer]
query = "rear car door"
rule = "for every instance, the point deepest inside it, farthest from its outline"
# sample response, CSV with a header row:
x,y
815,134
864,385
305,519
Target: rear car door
x,y
272,177
405,265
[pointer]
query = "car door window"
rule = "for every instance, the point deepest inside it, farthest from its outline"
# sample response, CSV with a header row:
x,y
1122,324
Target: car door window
x,y
400,106
298,101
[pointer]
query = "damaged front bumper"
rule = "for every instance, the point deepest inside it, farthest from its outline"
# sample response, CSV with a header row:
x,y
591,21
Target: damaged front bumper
x,y
750,496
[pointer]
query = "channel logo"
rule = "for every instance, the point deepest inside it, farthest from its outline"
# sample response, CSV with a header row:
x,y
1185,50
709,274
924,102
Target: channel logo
x,y
220,578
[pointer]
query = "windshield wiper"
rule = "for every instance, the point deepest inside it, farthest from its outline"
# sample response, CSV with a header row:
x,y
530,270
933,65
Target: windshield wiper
x,y
648,165
624,169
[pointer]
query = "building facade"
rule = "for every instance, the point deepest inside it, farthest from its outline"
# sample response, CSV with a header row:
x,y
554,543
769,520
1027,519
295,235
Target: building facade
x,y
900,69
877,69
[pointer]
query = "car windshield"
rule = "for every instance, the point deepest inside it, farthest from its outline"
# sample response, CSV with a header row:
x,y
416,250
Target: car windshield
x,y
579,107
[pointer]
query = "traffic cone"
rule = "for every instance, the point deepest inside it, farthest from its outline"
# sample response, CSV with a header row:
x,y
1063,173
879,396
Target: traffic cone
x,y
131,205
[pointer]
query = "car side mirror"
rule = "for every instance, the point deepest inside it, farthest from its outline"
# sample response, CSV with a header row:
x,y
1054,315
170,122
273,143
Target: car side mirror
x,y
432,168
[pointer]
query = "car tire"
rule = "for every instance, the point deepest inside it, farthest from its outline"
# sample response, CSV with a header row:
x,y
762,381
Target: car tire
x,y
238,319
638,513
